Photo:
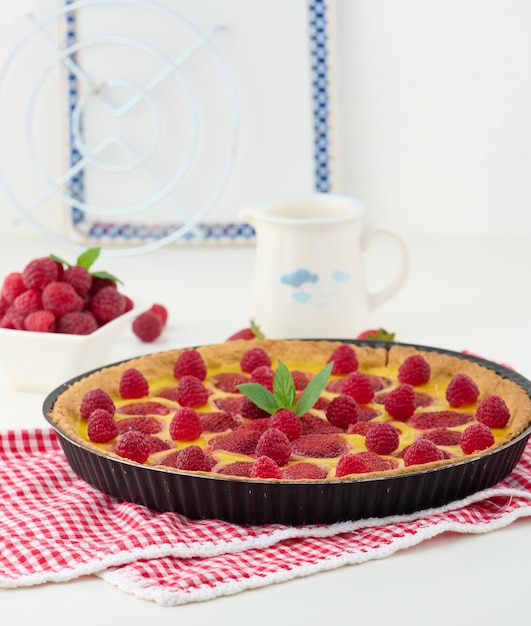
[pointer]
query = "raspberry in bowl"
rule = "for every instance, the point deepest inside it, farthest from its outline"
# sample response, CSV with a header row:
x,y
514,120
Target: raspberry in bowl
x,y
58,320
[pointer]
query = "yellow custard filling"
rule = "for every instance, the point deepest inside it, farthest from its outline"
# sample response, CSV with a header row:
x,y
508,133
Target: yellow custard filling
x,y
308,357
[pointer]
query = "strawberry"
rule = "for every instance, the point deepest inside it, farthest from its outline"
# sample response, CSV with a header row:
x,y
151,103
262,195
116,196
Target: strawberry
x,y
378,334
252,332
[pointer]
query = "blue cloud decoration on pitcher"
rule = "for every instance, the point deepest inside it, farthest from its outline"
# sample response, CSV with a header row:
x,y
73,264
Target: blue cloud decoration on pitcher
x,y
302,276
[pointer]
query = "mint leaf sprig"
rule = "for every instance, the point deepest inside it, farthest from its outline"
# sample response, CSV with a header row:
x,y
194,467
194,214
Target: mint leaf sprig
x,y
284,392
87,259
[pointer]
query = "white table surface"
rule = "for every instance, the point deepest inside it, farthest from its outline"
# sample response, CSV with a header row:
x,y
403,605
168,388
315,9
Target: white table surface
x,y
463,293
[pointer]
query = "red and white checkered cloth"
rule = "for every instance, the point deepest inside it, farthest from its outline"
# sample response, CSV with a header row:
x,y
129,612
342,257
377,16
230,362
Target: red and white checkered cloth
x,y
56,527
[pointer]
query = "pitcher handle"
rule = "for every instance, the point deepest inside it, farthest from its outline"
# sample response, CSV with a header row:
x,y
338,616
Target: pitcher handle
x,y
378,298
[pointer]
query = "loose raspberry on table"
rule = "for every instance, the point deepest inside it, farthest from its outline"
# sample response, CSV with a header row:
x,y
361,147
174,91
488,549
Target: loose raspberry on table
x,y
274,444
342,411
415,370
107,304
40,272
244,333
422,451
96,399
358,386
350,464
161,311
461,390
345,360
133,384
288,422
304,471
253,358
12,287
493,412
190,363
248,409
61,298
185,425
475,438
382,438
228,381
265,467
193,459
40,322
147,326
101,426
191,392
400,403
77,323
133,445
263,375
80,279
28,302
443,436
322,446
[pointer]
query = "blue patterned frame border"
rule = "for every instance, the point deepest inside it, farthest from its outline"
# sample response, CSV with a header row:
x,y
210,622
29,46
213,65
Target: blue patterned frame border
x,y
321,100
232,232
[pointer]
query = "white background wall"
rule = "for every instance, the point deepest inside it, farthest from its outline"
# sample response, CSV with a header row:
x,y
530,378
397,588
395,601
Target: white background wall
x,y
431,101
434,112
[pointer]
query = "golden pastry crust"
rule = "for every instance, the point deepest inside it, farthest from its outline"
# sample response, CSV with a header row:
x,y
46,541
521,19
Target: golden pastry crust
x,y
309,356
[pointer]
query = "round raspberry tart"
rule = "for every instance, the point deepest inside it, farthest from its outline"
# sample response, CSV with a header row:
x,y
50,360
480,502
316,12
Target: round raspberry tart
x,y
294,431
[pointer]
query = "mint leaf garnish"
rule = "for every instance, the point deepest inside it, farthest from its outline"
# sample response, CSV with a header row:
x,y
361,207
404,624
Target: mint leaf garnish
x,y
59,260
283,387
259,395
256,330
87,258
284,392
107,276
313,390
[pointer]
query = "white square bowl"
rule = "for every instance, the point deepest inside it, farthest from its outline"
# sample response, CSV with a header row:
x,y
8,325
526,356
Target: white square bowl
x,y
40,362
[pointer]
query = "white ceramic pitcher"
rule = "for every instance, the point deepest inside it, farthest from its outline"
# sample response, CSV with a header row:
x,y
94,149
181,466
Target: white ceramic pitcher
x,y
309,277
